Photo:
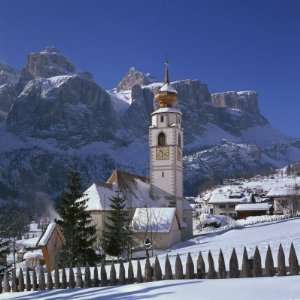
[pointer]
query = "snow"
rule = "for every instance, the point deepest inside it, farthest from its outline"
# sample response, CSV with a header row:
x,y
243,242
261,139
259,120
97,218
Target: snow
x,y
283,189
46,236
253,206
138,194
167,109
228,194
266,288
27,243
154,219
33,254
168,88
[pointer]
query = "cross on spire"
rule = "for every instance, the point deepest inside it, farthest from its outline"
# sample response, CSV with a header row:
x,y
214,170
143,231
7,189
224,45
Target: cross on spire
x,y
166,72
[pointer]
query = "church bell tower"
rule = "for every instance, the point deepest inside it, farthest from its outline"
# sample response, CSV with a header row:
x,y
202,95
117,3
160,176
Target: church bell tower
x,y
166,141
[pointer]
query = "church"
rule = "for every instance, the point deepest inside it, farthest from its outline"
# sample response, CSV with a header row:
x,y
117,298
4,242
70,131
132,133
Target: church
x,y
156,205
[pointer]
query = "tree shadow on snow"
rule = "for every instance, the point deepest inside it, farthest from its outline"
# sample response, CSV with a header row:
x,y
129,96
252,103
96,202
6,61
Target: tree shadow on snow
x,y
105,293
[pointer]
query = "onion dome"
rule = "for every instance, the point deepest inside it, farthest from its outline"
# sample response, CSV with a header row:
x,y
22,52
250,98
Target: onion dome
x,y
166,96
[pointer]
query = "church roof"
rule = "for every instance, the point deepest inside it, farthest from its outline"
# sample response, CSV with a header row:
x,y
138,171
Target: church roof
x,y
153,219
136,190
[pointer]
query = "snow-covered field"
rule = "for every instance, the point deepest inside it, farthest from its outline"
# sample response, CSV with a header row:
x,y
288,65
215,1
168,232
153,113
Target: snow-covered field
x,y
275,288
261,235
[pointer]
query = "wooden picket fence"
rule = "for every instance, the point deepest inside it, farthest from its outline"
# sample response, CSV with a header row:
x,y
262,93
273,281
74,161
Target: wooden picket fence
x,y
39,281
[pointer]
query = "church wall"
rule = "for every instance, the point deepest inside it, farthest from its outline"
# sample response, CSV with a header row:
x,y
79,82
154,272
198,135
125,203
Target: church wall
x,y
160,240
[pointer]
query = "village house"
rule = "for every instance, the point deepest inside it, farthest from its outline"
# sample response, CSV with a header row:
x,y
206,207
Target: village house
x,y
49,245
286,197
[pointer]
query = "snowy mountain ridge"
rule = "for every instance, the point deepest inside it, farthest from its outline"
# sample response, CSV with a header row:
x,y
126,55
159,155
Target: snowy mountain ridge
x,y
58,118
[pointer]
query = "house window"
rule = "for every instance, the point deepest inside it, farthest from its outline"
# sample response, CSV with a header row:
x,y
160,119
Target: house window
x,y
222,205
161,140
162,118
231,205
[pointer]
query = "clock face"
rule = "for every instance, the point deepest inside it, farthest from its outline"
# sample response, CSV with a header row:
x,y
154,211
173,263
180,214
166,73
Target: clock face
x,y
162,153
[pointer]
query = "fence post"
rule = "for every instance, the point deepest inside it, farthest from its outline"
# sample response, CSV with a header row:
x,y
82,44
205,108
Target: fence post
x,y
34,280
189,270
269,263
139,276
64,283
13,281
168,269
222,268
79,282
49,281
87,277
293,261
157,273
113,274
72,283
246,268
6,285
130,277
211,267
96,277
178,268
200,266
257,269
41,279
148,270
122,274
103,273
281,262
56,278
234,265
28,281
21,285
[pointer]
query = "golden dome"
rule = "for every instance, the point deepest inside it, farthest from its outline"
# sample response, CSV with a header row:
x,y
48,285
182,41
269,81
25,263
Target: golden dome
x,y
166,95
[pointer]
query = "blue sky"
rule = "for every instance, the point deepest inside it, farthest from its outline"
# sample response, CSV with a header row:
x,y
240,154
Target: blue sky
x,y
230,45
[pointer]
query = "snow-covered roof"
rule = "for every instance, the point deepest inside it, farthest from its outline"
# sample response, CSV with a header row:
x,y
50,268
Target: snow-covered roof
x,y
228,194
284,190
135,189
253,207
166,109
168,88
47,234
154,219
33,254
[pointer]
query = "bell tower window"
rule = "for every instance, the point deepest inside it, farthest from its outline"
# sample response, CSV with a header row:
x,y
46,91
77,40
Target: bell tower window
x,y
179,140
161,140
161,118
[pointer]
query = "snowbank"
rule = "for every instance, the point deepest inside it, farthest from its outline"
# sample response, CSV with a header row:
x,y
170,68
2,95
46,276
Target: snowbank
x,y
275,288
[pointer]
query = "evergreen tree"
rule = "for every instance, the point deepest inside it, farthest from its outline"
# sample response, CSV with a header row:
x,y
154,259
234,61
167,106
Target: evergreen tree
x,y
4,251
76,223
117,235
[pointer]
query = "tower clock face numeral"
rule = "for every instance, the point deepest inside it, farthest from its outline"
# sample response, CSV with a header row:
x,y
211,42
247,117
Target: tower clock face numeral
x,y
162,153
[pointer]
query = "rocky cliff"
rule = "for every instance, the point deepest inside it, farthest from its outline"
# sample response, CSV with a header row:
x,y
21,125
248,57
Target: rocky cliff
x,y
57,118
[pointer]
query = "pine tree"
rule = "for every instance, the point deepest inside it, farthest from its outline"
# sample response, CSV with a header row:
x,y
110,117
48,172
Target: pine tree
x,y
117,235
76,223
4,251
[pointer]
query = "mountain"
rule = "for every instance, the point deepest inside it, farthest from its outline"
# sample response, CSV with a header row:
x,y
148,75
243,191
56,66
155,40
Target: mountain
x,y
56,118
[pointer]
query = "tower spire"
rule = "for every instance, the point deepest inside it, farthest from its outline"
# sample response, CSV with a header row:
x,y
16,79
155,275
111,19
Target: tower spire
x,y
166,71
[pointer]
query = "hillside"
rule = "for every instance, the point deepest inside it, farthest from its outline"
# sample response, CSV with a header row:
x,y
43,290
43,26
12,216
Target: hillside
x,y
53,118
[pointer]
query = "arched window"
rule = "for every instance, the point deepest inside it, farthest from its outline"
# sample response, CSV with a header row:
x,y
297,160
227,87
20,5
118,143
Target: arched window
x,y
161,118
161,140
179,140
